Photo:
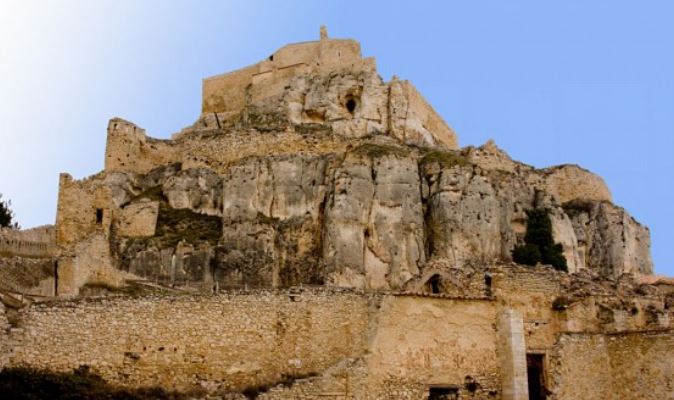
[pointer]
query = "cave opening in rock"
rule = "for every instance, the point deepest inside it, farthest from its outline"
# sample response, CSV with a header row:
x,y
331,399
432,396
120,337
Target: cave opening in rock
x,y
351,104
434,284
99,216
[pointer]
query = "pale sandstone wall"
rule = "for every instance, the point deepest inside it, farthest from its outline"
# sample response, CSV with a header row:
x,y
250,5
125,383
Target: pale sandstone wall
x,y
423,120
531,293
228,341
128,148
78,202
84,240
642,365
581,368
330,343
631,365
32,276
227,93
35,242
88,261
423,341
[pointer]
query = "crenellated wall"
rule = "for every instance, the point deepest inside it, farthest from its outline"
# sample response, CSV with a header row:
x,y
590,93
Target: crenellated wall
x,y
36,242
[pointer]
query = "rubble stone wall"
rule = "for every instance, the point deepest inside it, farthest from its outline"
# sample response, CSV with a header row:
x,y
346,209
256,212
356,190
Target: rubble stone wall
x,y
232,341
34,276
629,365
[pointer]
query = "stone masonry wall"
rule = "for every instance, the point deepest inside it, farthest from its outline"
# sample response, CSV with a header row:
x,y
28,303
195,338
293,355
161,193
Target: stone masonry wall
x,y
227,341
631,365
430,341
36,242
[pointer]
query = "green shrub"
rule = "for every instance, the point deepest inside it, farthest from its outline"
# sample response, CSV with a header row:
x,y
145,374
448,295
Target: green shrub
x,y
539,244
528,254
7,215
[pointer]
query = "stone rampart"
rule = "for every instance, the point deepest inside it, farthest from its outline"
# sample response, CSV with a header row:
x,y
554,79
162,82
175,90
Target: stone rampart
x,y
230,341
310,343
628,365
35,242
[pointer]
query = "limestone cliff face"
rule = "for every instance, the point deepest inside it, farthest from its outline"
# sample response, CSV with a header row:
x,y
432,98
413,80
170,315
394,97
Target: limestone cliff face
x,y
308,168
370,217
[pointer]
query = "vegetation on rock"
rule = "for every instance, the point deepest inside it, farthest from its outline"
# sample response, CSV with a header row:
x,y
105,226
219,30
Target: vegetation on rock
x,y
7,215
539,245
446,159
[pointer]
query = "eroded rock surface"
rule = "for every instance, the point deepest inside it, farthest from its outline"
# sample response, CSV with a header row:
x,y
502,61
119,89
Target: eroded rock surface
x,y
369,217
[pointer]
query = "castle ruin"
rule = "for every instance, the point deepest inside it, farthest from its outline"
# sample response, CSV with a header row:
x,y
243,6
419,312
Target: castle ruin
x,y
319,233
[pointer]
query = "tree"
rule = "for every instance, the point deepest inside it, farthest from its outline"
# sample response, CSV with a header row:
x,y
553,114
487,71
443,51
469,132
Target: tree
x,y
7,215
539,244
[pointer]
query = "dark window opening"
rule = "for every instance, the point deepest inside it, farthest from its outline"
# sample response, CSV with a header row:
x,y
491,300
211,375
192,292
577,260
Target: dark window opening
x,y
56,278
487,285
536,377
99,216
434,284
443,393
271,57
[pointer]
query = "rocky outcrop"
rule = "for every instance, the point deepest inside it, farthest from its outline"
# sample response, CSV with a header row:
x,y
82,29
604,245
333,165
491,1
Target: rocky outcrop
x,y
370,217
309,168
610,240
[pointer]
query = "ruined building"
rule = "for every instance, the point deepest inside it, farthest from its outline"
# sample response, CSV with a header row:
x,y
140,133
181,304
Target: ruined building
x,y
318,233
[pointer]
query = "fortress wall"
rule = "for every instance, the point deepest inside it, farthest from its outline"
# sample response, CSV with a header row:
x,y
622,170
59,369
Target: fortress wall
x,y
77,214
420,110
5,347
233,340
36,242
237,341
128,149
531,294
635,365
642,365
34,276
90,262
581,368
227,93
423,341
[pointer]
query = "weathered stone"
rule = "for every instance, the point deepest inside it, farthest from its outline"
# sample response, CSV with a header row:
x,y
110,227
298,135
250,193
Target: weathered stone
x,y
139,219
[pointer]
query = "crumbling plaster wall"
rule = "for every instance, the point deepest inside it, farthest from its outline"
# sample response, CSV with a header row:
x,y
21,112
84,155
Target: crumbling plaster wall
x,y
431,341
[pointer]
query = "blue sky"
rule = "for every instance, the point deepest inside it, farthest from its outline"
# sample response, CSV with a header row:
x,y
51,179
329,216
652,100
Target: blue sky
x,y
585,82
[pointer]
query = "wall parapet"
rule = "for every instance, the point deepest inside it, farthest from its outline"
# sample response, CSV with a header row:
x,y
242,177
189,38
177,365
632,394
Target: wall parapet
x,y
37,242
